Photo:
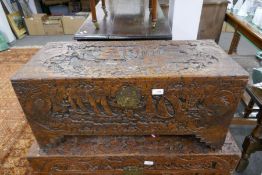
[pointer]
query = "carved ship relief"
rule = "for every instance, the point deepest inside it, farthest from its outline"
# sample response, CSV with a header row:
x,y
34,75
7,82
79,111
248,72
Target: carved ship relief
x,y
127,108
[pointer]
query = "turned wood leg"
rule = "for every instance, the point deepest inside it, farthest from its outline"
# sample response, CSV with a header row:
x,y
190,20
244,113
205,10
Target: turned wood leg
x,y
249,108
93,13
154,12
104,7
234,43
251,144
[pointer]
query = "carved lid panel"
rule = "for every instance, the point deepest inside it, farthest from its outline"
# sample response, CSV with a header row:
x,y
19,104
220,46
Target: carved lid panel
x,y
132,59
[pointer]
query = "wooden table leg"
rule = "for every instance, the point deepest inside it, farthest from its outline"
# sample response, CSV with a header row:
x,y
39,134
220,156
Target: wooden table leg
x,y
234,43
251,144
104,7
154,12
150,4
93,12
249,108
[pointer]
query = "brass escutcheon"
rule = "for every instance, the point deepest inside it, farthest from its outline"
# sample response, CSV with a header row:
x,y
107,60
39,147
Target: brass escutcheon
x,y
128,97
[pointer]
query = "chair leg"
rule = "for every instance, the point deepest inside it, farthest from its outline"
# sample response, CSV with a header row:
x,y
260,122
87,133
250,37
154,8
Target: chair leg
x,y
154,12
104,7
234,43
93,12
249,108
251,144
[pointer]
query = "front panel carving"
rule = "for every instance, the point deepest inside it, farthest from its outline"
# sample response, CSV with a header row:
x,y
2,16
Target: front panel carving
x,y
120,107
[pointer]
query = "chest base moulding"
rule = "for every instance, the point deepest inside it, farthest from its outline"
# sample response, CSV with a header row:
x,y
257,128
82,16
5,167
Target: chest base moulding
x,y
120,155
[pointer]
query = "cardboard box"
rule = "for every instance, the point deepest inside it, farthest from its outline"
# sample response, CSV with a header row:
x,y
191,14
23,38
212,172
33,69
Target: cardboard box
x,y
72,23
53,26
34,24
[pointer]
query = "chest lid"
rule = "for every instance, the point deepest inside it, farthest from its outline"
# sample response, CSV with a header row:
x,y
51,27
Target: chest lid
x,y
130,59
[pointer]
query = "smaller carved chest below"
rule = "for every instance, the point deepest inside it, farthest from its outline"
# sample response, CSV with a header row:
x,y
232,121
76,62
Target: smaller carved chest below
x,y
130,88
134,155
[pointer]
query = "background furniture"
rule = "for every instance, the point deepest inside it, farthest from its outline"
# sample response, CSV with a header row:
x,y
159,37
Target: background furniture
x,y
153,5
244,27
253,142
212,19
126,20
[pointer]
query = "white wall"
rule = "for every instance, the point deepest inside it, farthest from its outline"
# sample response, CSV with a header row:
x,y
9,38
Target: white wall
x,y
186,18
4,26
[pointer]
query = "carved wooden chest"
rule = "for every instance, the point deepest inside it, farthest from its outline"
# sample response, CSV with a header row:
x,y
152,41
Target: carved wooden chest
x,y
130,88
134,155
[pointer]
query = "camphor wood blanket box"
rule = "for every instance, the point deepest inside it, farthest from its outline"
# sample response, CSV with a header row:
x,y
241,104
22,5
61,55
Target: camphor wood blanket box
x,y
130,88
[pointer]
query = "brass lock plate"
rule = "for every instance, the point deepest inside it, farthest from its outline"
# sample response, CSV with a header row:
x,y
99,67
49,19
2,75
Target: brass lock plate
x,y
128,97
